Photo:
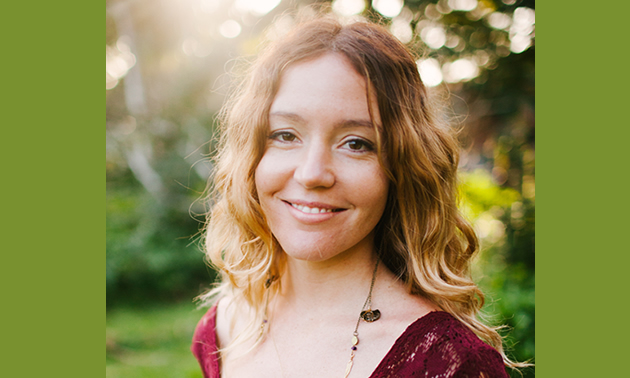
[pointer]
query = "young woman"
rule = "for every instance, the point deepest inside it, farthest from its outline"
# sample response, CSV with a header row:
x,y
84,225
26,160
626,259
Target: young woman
x,y
335,226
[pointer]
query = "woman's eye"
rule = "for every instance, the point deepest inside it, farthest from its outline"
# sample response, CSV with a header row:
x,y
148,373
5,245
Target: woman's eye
x,y
359,145
283,136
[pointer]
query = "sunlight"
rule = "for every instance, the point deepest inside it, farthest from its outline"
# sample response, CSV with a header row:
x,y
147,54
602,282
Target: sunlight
x,y
522,29
348,7
430,72
499,20
209,6
462,5
230,29
402,30
118,61
388,8
433,36
460,70
257,7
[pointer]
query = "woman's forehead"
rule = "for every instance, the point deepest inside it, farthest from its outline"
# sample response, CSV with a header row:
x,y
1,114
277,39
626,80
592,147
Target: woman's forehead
x,y
327,83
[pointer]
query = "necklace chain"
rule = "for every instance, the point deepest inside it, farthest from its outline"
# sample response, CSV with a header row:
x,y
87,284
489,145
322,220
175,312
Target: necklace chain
x,y
366,314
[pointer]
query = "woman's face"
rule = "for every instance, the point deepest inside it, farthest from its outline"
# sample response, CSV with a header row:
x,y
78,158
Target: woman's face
x,y
319,181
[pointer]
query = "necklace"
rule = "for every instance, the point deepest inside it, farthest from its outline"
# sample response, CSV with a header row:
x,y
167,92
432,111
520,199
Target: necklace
x,y
367,314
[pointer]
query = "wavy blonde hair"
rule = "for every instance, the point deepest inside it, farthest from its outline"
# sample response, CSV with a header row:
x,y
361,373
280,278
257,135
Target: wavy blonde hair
x,y
421,237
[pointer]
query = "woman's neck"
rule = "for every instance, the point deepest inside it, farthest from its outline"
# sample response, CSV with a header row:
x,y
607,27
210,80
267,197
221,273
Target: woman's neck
x,y
339,285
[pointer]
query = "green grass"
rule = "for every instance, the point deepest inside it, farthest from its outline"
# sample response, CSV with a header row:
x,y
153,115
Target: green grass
x,y
152,342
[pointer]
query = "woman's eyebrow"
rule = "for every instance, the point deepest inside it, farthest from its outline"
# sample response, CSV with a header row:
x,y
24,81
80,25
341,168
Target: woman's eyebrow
x,y
291,117
356,122
297,119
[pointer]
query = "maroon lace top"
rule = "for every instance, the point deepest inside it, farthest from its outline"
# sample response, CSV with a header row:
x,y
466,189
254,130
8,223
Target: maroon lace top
x,y
436,345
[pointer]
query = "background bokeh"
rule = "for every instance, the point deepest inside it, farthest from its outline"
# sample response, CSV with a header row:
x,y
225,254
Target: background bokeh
x,y
169,65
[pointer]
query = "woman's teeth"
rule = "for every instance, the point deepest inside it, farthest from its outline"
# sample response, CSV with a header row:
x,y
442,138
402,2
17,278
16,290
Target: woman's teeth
x,y
311,210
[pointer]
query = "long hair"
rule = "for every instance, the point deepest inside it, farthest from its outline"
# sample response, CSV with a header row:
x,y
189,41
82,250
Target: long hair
x,y
421,237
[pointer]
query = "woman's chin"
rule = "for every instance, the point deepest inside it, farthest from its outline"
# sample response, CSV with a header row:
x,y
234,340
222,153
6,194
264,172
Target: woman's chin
x,y
310,254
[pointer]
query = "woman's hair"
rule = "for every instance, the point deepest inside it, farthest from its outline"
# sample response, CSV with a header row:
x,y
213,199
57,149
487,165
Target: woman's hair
x,y
421,237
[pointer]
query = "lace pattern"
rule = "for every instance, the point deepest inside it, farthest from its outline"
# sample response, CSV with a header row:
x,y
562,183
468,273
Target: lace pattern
x,y
439,346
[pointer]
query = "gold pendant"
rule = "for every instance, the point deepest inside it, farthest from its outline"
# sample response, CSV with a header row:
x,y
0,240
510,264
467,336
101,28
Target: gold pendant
x,y
349,365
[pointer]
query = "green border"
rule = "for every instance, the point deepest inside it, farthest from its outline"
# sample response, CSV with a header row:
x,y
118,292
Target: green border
x,y
53,248
53,260
581,86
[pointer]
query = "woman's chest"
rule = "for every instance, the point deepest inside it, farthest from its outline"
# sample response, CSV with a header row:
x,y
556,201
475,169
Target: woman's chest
x,y
322,354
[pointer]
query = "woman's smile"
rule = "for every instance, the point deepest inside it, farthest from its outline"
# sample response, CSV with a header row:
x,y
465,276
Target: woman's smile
x,y
320,182
313,207
312,212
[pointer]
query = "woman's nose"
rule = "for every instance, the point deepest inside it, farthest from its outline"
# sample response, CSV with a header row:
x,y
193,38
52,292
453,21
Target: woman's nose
x,y
315,167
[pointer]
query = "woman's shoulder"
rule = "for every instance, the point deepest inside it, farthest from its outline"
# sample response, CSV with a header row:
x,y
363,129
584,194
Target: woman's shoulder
x,y
206,326
223,321
204,343
438,344
440,328
215,323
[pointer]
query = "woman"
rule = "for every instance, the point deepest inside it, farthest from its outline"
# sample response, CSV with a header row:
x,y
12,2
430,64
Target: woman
x,y
335,226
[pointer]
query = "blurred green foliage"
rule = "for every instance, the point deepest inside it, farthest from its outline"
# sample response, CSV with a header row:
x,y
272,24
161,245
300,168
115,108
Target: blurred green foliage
x,y
169,66
152,250
505,267
153,342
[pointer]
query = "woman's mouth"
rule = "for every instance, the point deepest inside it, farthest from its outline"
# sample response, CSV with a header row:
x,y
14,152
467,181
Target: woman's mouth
x,y
314,209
